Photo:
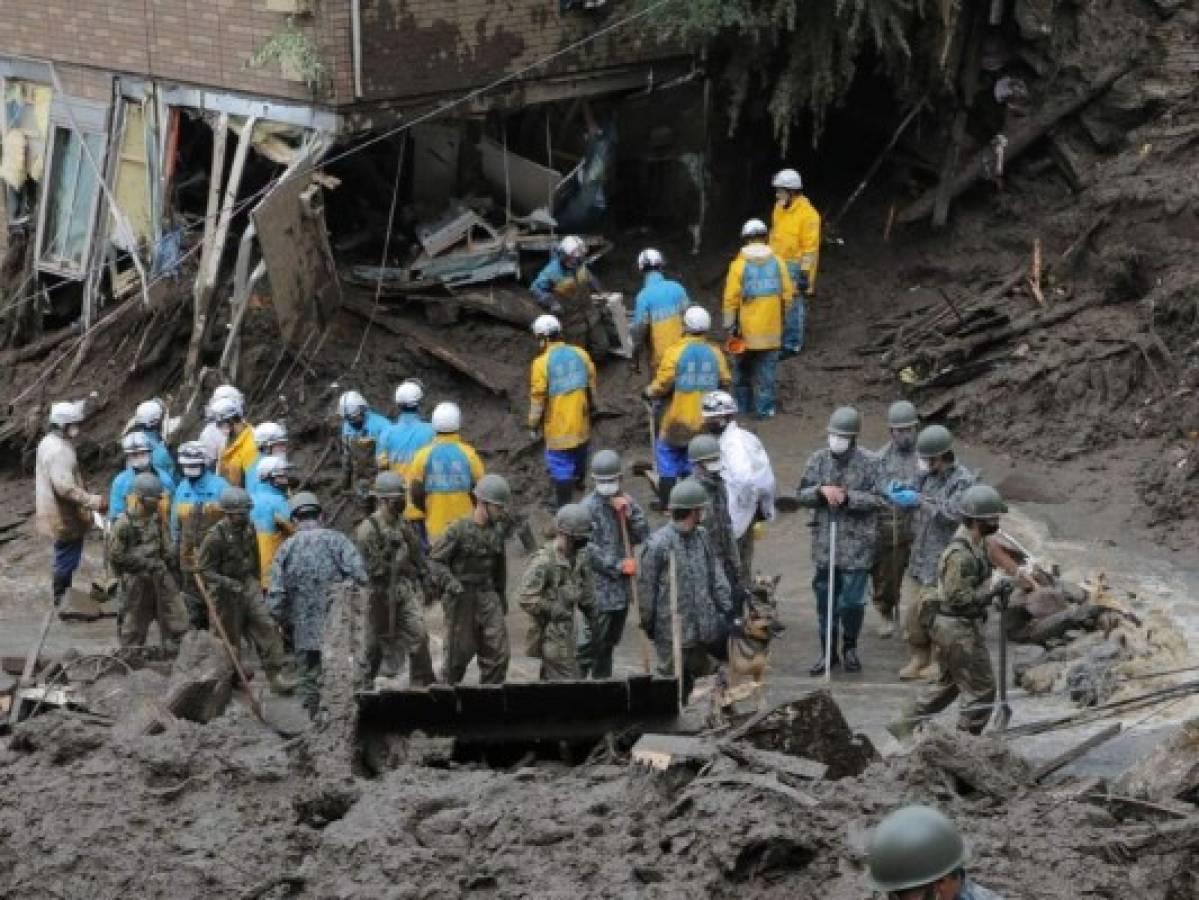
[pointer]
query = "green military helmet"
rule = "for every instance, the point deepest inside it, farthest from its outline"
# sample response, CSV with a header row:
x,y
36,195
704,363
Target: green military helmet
x,y
389,486
688,494
494,489
912,847
605,465
703,447
981,501
934,440
902,414
573,520
235,500
303,502
148,486
845,421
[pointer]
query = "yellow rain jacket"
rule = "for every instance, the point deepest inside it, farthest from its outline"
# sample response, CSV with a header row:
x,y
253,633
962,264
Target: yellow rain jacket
x,y
795,237
757,294
272,526
561,385
691,368
237,456
443,475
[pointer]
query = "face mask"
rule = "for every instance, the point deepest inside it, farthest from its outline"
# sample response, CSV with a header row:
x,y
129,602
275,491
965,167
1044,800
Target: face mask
x,y
904,440
193,471
607,488
988,528
140,462
924,465
714,467
279,451
838,443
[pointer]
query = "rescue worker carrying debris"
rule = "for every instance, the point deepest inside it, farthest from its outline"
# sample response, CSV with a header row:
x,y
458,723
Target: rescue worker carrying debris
x,y
138,458
195,509
270,515
138,554
361,430
748,476
840,486
757,295
556,583
271,440
916,853
614,515
213,437
403,439
62,503
240,451
561,399
680,571
897,474
940,485
564,288
306,569
401,586
147,419
228,568
707,468
658,311
470,569
795,239
444,473
690,369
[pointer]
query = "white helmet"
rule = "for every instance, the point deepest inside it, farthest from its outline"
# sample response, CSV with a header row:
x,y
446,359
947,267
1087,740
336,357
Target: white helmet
x,y
649,258
225,409
149,413
192,455
351,403
717,404
572,246
410,392
546,326
273,465
696,320
754,228
228,392
788,180
447,418
268,433
66,413
135,442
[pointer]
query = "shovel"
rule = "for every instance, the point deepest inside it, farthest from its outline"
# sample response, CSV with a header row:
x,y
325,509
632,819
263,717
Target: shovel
x,y
636,600
832,583
651,473
1001,712
676,626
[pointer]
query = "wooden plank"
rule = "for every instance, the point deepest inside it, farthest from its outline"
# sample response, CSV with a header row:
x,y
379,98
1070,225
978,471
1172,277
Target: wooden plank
x,y
220,140
773,761
1078,751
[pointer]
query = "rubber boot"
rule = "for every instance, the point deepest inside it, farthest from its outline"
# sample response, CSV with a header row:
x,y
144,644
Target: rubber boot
x,y
918,662
564,492
852,663
931,672
280,684
817,668
665,486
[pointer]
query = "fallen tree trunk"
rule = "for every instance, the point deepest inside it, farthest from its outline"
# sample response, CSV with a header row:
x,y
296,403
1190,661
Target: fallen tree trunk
x,y
39,347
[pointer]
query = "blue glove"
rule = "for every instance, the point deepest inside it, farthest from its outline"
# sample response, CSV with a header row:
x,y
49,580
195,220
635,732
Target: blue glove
x,y
905,498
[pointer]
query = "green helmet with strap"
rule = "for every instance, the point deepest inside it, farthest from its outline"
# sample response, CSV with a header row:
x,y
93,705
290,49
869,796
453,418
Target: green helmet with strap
x,y
605,465
389,485
235,500
703,447
845,421
573,520
148,486
912,847
934,440
903,414
303,503
494,489
981,501
688,494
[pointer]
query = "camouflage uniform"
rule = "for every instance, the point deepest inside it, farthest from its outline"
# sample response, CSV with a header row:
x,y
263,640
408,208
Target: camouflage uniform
x,y
468,563
137,553
719,525
957,636
228,563
894,543
933,525
599,638
704,599
552,589
400,589
307,566
857,472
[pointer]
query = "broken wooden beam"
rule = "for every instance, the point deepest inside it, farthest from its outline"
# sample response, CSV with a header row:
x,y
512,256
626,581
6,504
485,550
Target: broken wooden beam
x,y
38,348
1078,751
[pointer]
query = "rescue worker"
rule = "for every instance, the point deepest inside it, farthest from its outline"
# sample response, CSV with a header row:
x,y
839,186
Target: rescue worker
x,y
758,292
897,473
697,582
706,467
613,567
213,437
195,509
306,569
270,515
940,484
564,288
361,430
138,554
658,311
406,436
147,419
840,485
556,583
240,451
63,504
691,368
444,473
916,853
139,455
271,440
795,239
400,586
470,569
561,398
748,476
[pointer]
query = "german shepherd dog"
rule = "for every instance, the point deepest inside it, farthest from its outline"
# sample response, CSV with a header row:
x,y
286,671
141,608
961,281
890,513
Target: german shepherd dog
x,y
749,641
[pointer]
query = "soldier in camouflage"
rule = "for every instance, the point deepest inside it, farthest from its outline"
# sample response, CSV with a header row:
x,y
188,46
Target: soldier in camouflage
x,y
940,484
469,567
706,467
307,567
228,567
400,586
613,566
555,585
700,587
897,475
137,552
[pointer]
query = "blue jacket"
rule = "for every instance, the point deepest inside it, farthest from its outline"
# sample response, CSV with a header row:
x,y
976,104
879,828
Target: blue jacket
x,y
545,285
160,456
205,489
373,426
122,487
402,440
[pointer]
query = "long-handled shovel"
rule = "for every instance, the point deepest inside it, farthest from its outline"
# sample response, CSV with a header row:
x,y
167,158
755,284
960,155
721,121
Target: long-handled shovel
x,y
1001,712
832,589
215,619
676,626
636,599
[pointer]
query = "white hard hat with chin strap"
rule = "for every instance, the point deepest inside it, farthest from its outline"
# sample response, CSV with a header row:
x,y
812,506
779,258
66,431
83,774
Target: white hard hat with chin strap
x,y
788,180
149,413
696,320
649,258
447,418
754,228
410,393
572,246
351,403
66,413
545,326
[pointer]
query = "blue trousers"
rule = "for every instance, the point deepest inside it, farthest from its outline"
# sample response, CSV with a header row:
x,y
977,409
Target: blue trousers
x,y
795,322
755,382
67,556
671,461
849,604
566,465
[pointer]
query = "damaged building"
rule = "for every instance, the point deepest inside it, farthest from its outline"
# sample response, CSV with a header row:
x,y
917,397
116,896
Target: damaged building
x,y
405,144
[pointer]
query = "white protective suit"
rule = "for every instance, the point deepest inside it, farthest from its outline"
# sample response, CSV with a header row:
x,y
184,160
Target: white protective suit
x,y
747,477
